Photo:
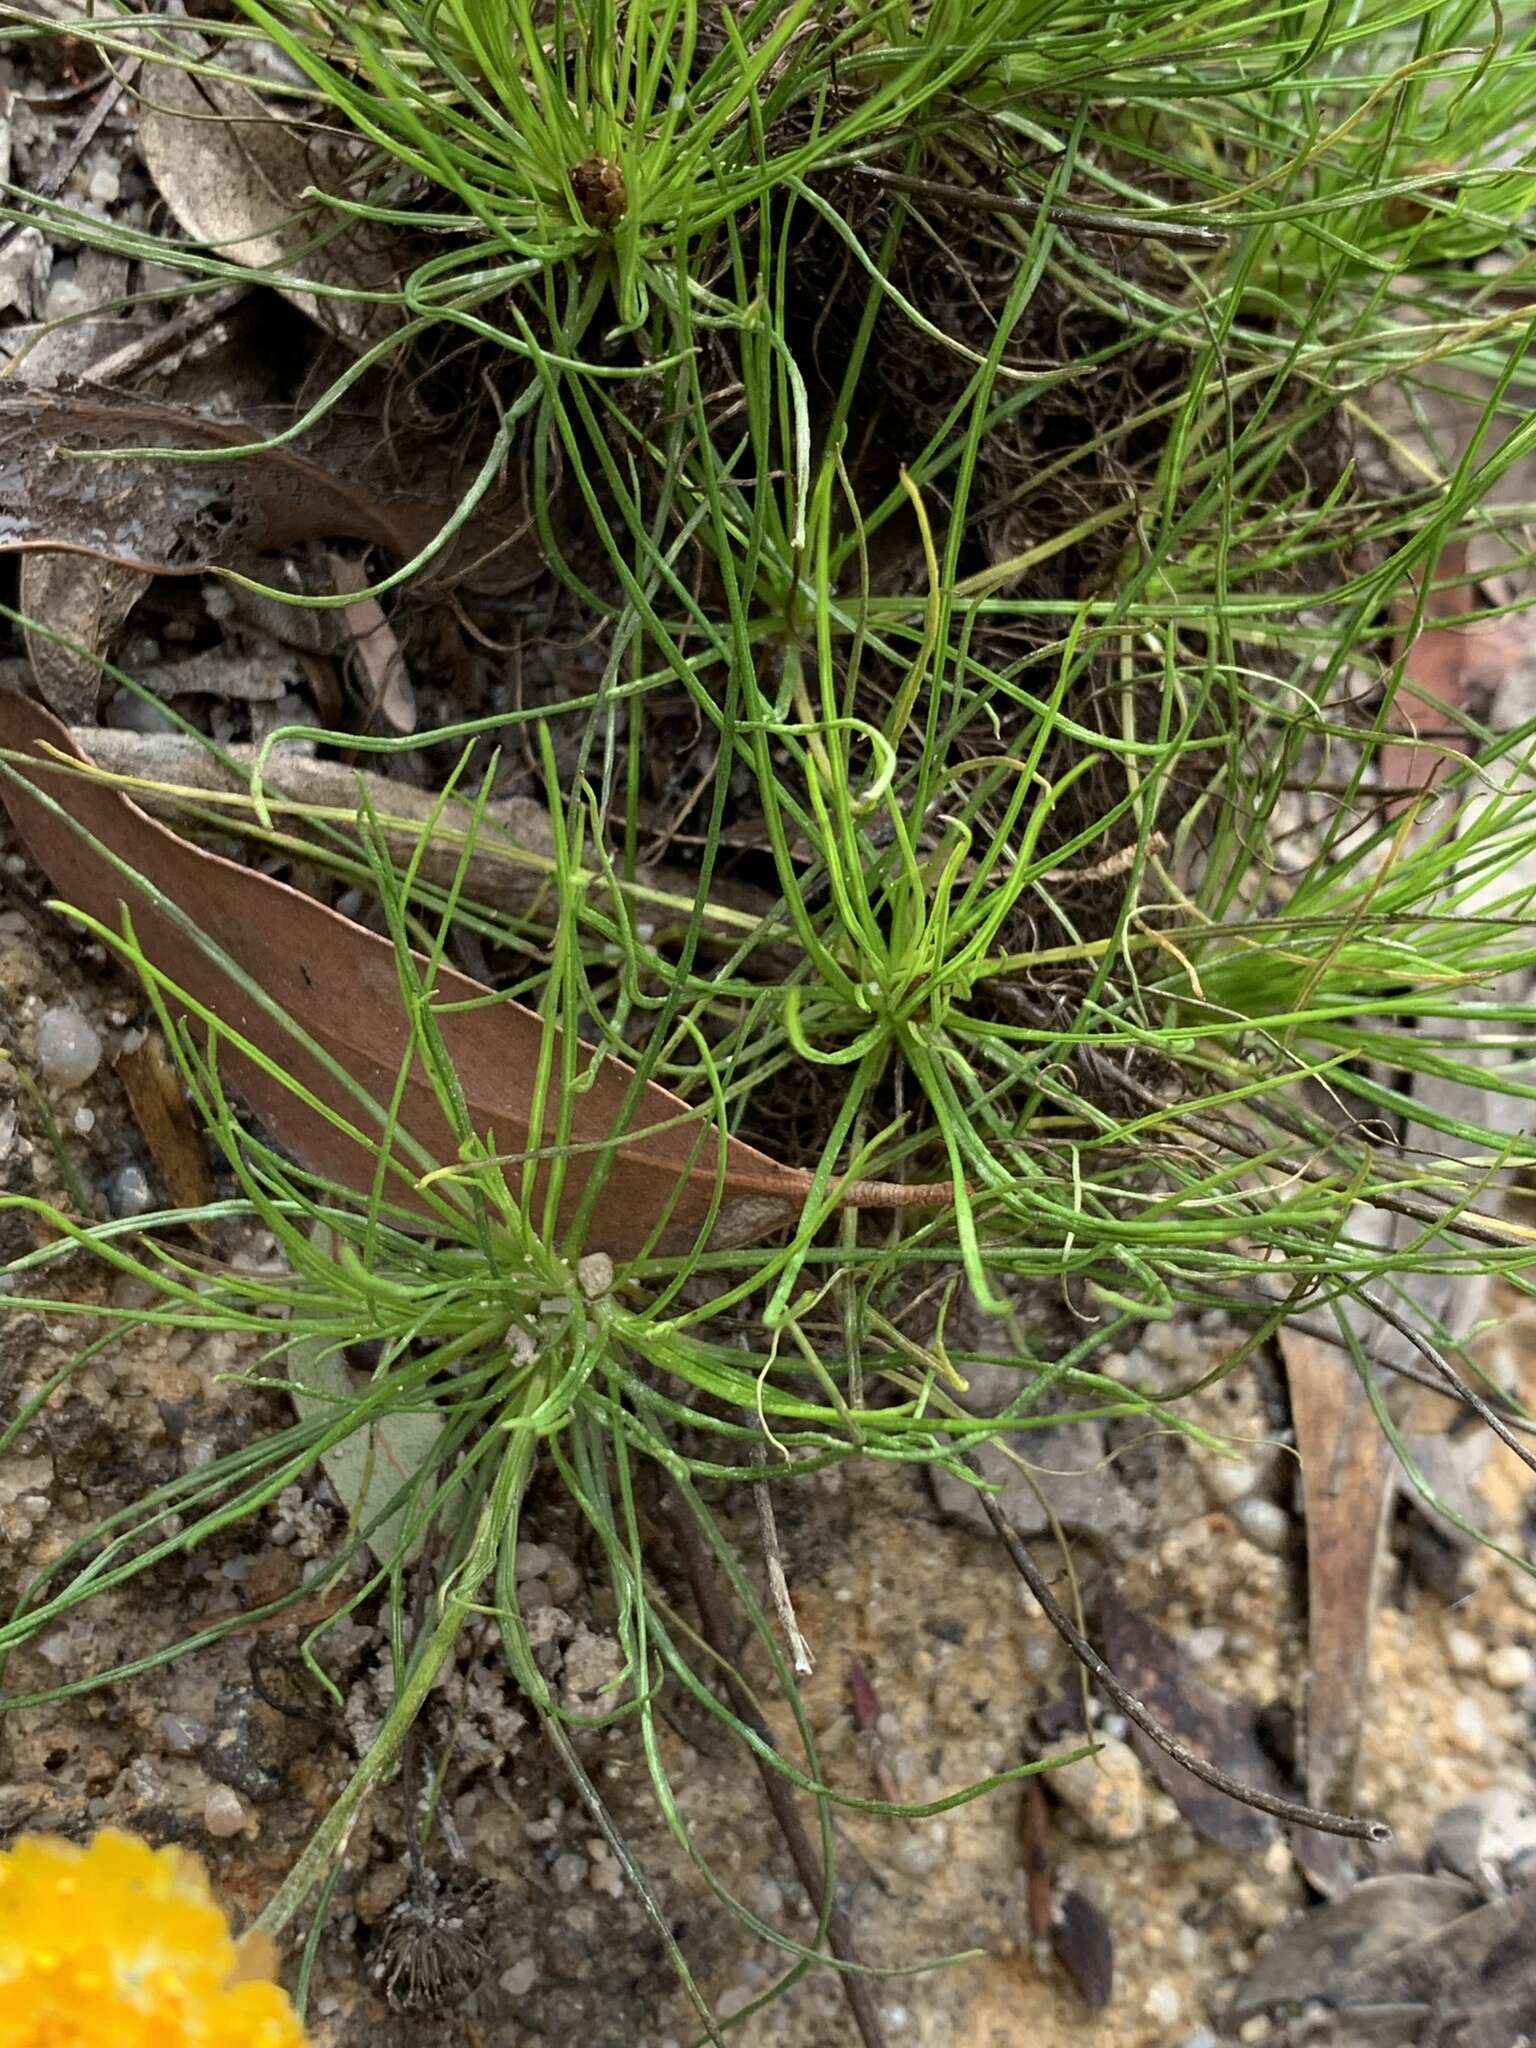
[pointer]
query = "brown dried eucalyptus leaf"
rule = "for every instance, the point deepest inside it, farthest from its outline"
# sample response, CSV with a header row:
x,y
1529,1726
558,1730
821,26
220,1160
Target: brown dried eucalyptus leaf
x,y
235,177
338,983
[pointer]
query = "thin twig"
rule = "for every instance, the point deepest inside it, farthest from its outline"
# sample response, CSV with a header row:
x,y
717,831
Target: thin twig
x,y
204,312
714,1626
773,1560
1463,1389
1321,1333
1358,1829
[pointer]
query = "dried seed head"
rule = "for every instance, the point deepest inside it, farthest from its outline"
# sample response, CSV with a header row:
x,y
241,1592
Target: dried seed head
x,y
600,192
430,1949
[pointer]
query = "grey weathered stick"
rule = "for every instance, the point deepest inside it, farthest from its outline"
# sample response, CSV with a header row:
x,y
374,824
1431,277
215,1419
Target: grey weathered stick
x,y
509,868
1347,1474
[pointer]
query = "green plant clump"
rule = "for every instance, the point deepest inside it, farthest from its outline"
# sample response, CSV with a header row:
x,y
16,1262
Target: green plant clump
x,y
1027,437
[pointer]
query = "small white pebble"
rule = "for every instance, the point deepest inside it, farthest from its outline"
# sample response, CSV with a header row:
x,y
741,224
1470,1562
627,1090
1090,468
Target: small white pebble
x,y
1509,1667
65,299
521,1978
1106,1791
922,1851
179,1737
569,1871
84,1121
1203,1644
594,1275
223,1815
68,1046
1463,1652
105,186
1266,1526
1164,2003
1229,1479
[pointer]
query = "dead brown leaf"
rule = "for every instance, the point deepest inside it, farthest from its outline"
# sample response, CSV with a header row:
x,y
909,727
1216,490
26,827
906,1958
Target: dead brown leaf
x,y
235,178
73,609
1084,1946
1348,1480
338,984
164,1117
153,515
1149,1664
166,517
1348,1470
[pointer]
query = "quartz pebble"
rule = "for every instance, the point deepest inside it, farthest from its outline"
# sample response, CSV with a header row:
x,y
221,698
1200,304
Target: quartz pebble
x,y
223,1814
521,1978
1229,1479
66,296
594,1275
1469,1729
1266,1526
1164,2003
129,1192
179,1737
1106,1791
1463,1652
105,186
1509,1667
68,1046
1201,1645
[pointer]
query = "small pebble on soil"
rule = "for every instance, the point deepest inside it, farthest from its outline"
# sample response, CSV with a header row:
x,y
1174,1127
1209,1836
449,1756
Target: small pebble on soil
x,y
68,1047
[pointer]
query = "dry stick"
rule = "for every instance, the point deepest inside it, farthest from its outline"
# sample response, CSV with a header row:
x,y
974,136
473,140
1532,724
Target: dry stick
x,y
162,341
185,768
53,178
714,1626
1463,1389
1292,1810
773,1560
1322,1334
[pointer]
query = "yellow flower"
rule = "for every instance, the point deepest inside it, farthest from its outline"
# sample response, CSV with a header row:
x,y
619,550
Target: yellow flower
x,y
122,1946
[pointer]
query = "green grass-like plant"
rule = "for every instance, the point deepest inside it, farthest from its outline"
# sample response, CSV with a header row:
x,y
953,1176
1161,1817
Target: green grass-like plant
x,y
1032,803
